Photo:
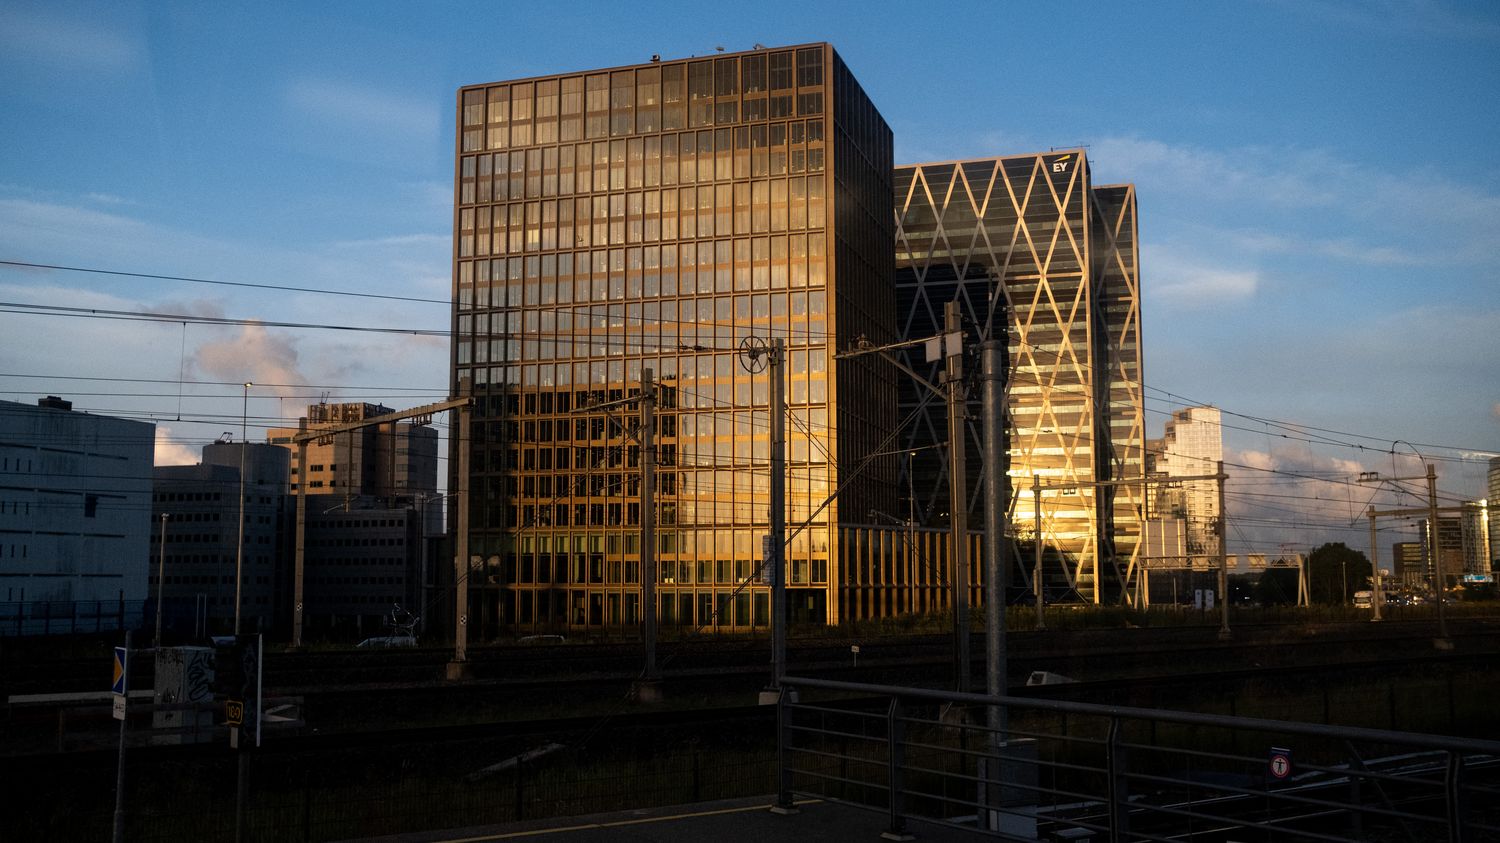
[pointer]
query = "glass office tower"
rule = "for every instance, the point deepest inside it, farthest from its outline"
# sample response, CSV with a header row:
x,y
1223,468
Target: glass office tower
x,y
1042,259
657,217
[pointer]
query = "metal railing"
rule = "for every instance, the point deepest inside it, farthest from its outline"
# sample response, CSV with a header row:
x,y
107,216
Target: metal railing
x,y
1075,771
70,617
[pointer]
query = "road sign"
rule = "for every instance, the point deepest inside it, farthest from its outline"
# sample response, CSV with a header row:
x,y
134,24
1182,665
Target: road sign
x,y
120,684
1279,764
234,712
119,706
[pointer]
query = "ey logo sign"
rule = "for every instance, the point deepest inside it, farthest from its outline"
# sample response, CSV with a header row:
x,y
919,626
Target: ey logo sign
x,y
1060,165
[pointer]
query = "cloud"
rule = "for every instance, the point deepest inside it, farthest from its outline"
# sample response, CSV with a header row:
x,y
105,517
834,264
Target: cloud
x,y
349,105
1400,18
1421,215
170,452
1179,281
1291,494
256,355
81,43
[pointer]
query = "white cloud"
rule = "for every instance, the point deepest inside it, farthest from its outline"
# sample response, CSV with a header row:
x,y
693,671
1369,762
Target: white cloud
x,y
352,106
171,452
254,354
1179,281
1400,18
81,43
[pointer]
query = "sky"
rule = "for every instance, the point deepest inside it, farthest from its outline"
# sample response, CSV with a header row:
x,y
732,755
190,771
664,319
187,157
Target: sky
x,y
1318,191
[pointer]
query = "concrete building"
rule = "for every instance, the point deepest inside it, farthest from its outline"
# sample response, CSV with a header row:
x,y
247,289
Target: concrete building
x,y
361,564
75,492
393,461
1041,258
1493,496
1474,521
196,509
668,216
1408,564
1192,445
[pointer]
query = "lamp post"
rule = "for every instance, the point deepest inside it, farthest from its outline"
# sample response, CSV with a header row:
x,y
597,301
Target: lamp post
x,y
161,567
239,545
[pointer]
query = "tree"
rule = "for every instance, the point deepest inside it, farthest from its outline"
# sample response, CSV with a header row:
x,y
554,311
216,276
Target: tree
x,y
1335,571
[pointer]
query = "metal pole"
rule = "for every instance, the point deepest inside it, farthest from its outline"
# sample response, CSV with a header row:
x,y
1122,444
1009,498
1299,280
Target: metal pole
x,y
1379,597
1432,543
299,569
958,492
648,517
161,570
1036,567
239,548
461,540
995,499
119,825
778,514
1223,557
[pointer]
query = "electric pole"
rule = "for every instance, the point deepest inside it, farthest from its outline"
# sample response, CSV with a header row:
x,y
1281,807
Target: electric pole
x,y
648,518
1223,557
1036,567
1437,556
1378,598
996,496
958,495
778,512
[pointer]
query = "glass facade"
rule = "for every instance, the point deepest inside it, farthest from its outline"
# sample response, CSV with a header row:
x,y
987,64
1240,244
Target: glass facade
x,y
655,217
1041,259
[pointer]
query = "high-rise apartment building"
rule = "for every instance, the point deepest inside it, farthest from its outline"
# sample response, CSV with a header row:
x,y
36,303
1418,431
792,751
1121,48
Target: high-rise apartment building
x,y
1044,260
390,461
1476,537
666,216
1192,445
1493,485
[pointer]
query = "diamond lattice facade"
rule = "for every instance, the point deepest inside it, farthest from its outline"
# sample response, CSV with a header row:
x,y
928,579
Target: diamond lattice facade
x,y
1044,260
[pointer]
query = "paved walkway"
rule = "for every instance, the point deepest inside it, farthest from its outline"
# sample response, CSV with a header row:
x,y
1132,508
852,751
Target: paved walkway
x,y
730,821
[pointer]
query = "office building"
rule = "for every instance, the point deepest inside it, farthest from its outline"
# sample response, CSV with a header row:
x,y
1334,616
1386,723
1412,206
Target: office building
x,y
1409,564
1192,445
362,563
1493,486
1474,524
1044,260
196,512
75,494
669,216
393,461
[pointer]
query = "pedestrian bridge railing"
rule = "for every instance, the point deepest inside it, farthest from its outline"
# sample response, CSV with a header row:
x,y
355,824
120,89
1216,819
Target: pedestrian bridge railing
x,y
1054,770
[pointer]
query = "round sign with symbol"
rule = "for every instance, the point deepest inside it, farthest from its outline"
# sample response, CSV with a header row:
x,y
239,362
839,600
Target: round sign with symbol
x,y
1280,763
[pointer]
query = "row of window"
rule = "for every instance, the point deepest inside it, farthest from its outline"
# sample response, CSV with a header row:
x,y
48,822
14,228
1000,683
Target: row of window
x,y
648,99
650,216
632,274
649,328
758,152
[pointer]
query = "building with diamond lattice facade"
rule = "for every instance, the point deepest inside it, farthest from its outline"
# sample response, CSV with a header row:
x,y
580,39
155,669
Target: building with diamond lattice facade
x,y
1041,258
655,217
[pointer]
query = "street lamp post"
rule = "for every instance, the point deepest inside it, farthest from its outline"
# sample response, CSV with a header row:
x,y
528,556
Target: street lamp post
x,y
239,550
161,568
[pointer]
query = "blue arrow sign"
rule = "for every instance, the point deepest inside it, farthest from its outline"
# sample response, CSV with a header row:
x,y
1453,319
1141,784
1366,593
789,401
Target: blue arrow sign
x,y
120,684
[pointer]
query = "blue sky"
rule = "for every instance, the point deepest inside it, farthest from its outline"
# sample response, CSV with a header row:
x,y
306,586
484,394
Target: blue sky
x,y
1319,192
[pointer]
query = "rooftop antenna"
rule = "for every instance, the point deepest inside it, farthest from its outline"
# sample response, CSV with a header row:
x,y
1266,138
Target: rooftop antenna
x,y
718,49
